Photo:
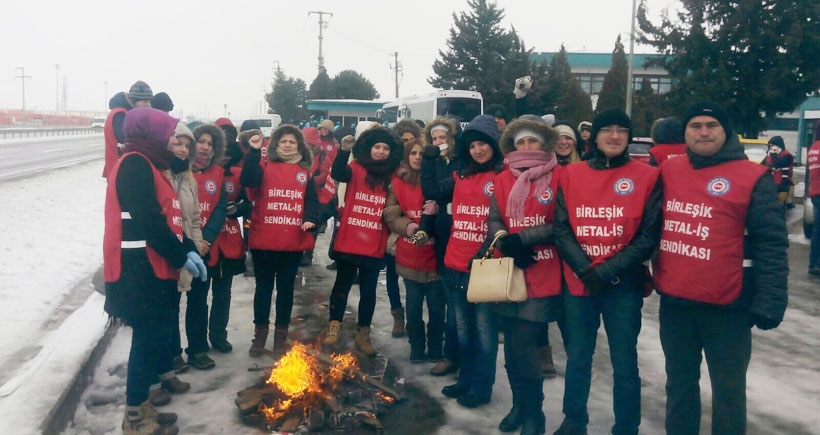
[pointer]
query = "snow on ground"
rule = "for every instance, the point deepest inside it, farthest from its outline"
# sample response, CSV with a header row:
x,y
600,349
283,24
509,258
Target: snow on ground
x,y
52,320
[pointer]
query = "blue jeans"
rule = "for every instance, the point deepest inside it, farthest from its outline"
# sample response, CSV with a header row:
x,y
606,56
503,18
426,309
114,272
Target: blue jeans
x,y
477,336
416,294
393,291
620,308
814,252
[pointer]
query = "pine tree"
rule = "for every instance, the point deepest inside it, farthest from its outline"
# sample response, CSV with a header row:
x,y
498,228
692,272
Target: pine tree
x,y
481,56
352,85
613,91
756,58
287,97
322,86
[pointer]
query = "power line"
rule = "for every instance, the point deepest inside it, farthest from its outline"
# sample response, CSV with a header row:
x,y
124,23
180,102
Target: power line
x,y
396,69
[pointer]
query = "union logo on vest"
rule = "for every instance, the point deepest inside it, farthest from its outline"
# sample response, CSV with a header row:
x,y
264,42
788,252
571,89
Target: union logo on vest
x,y
546,197
624,186
301,177
489,188
210,186
718,186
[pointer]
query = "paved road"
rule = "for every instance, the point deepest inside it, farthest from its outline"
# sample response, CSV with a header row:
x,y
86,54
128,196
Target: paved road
x,y
27,157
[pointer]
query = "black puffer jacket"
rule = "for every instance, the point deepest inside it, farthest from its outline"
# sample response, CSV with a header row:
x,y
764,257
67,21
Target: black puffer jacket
x,y
766,244
627,262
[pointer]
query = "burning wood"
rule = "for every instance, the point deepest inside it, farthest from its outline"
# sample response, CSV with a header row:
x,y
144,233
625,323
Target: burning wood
x,y
304,384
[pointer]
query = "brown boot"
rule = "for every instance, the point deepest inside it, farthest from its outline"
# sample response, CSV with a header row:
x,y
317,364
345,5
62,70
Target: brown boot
x,y
334,330
547,367
363,341
159,397
280,338
398,323
163,418
139,420
260,336
444,367
174,386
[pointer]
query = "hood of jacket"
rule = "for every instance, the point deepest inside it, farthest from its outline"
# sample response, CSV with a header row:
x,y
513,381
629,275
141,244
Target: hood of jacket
x,y
302,147
219,143
538,127
451,134
483,128
119,101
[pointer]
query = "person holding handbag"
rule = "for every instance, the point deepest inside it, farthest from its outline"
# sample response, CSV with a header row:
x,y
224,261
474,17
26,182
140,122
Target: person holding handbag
x,y
469,188
521,213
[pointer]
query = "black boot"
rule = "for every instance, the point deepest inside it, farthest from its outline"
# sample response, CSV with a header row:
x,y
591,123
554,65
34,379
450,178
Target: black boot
x,y
513,420
535,422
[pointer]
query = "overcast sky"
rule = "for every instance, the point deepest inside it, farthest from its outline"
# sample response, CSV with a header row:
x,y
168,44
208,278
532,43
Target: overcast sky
x,y
206,53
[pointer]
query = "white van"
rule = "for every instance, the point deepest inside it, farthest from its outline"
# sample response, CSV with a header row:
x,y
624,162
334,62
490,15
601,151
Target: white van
x,y
268,123
98,123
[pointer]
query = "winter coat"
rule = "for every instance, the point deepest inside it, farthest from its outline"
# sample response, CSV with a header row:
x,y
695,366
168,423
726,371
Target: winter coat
x,y
186,189
214,224
765,284
398,222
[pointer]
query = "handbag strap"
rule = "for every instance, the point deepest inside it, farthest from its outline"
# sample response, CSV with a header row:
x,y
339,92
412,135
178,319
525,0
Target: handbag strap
x,y
491,248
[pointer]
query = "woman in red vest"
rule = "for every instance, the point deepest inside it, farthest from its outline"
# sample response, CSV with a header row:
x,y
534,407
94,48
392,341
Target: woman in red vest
x,y
469,188
361,238
144,247
416,264
521,213
285,210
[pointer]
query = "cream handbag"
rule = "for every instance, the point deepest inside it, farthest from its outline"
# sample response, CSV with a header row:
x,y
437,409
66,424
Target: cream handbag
x,y
496,279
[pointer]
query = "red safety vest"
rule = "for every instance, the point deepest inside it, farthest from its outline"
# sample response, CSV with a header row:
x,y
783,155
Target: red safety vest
x,y
704,217
279,210
605,209
112,153
544,277
112,240
328,191
813,163
471,206
361,231
209,184
666,151
408,255
229,242
777,173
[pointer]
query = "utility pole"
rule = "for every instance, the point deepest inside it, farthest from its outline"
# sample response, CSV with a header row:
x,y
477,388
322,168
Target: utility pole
x,y
322,25
629,79
57,94
23,78
397,69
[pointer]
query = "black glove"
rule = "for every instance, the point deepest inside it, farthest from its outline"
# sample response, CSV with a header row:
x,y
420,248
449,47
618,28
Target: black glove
x,y
593,282
431,152
524,258
762,322
510,245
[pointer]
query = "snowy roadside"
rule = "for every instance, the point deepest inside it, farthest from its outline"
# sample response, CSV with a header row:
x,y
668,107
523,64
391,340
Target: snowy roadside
x,y
40,139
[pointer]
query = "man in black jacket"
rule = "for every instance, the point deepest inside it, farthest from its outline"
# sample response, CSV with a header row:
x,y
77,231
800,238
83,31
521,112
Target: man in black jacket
x,y
721,269
607,220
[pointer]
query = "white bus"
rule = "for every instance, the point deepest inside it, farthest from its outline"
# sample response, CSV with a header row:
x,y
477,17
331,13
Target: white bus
x,y
461,105
268,122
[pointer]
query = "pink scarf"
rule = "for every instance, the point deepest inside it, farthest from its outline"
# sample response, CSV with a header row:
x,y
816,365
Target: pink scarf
x,y
529,167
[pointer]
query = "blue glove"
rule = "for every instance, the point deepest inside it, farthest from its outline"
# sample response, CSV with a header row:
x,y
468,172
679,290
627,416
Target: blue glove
x,y
196,266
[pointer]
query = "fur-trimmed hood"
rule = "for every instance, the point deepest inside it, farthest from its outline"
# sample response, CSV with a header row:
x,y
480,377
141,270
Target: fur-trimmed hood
x,y
371,137
541,128
451,134
302,147
407,126
219,142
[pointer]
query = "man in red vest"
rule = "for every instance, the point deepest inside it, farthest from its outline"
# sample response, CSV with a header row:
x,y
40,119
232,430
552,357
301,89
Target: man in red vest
x,y
813,163
140,95
721,269
607,220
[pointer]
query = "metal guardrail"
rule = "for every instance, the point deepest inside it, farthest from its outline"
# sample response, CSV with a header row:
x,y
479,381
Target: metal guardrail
x,y
43,132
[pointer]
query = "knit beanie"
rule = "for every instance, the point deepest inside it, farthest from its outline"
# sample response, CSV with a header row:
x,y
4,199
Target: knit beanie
x,y
613,116
140,91
497,111
183,130
565,130
668,130
162,102
249,124
328,124
708,108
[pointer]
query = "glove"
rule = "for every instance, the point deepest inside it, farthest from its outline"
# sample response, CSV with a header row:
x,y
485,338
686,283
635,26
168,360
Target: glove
x,y
348,142
524,258
762,322
412,227
430,208
593,282
510,245
419,238
196,266
431,152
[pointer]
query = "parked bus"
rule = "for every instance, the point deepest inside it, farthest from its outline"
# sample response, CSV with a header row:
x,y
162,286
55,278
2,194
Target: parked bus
x,y
268,122
460,105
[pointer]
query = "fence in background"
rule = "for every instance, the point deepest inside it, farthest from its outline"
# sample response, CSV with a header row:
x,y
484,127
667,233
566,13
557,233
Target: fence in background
x,y
6,133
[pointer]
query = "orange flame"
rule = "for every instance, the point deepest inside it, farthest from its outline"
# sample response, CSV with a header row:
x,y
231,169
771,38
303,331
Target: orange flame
x,y
385,397
343,367
296,373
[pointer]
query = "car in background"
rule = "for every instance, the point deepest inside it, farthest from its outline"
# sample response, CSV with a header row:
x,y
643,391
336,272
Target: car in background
x,y
639,149
98,123
755,149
